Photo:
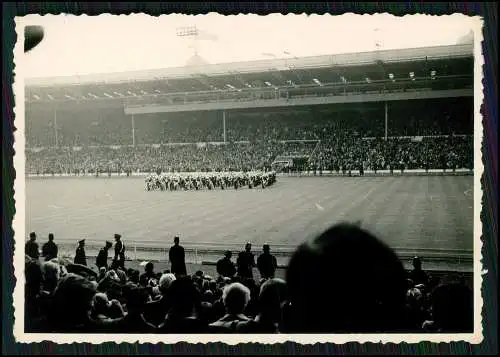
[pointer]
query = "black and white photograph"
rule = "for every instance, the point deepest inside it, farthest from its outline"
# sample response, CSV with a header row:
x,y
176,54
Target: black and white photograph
x,y
308,178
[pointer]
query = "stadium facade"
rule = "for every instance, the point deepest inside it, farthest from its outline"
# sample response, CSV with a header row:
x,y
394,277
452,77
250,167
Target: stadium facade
x,y
387,88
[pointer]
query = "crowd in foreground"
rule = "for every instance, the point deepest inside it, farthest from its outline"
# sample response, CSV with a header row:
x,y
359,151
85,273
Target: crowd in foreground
x,y
345,280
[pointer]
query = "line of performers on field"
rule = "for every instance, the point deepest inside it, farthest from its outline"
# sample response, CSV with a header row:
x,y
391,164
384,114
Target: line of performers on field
x,y
210,181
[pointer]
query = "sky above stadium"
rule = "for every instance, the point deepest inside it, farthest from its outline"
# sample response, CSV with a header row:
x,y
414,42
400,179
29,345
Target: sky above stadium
x,y
90,45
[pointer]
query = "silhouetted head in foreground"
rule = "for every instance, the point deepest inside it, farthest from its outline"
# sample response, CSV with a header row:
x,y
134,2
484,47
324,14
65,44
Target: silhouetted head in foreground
x,y
452,308
33,35
346,280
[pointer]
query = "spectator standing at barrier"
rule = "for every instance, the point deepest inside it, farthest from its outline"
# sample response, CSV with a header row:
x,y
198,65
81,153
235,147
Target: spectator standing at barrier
x,y
31,247
177,258
49,249
80,256
246,262
266,263
102,257
417,275
225,267
119,251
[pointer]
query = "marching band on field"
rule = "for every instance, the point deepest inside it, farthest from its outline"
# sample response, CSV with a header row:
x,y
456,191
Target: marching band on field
x,y
210,180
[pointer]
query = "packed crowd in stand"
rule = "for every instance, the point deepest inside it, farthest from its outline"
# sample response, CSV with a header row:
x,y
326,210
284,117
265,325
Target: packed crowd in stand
x,y
110,126
210,181
345,280
339,153
433,135
350,153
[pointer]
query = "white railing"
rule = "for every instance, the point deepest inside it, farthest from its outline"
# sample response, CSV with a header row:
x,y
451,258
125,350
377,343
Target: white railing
x,y
209,252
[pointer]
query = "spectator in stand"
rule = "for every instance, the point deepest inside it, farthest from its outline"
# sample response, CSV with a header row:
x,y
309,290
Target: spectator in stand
x,y
184,300
49,249
415,306
104,310
148,275
134,321
120,271
266,263
177,258
452,310
246,262
155,311
272,296
51,273
31,247
33,281
417,275
80,256
225,267
236,297
369,284
70,306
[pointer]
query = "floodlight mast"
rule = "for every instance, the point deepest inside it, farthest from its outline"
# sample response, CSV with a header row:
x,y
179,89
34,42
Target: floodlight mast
x,y
192,33
195,35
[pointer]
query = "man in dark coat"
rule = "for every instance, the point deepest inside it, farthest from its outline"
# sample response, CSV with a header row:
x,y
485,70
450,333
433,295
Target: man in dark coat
x,y
177,258
31,247
225,267
246,262
49,249
267,263
102,257
119,251
80,256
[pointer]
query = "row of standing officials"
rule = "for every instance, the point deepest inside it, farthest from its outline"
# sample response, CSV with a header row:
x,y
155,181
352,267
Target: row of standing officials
x,y
266,262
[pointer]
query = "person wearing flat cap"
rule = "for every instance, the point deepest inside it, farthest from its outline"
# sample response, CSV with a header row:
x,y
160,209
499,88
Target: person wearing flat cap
x,y
31,247
119,252
80,257
102,257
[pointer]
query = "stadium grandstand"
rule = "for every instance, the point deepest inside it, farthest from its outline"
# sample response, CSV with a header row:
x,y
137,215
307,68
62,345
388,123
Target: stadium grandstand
x,y
321,124
291,111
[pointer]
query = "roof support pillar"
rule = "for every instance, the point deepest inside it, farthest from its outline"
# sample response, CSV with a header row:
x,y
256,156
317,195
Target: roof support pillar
x,y
224,126
386,119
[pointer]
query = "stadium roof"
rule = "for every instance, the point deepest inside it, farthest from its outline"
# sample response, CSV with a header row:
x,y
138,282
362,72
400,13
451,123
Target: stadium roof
x,y
214,70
